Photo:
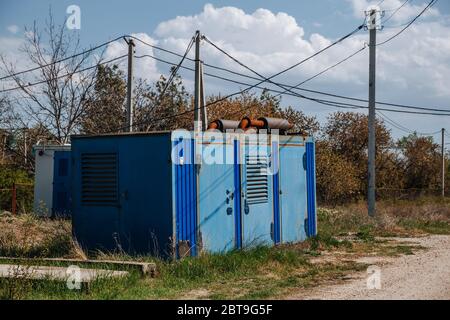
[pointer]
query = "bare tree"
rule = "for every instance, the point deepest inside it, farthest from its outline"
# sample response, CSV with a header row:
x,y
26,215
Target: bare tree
x,y
55,95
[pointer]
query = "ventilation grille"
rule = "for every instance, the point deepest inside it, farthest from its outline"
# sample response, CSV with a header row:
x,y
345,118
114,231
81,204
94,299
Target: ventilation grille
x,y
99,179
257,180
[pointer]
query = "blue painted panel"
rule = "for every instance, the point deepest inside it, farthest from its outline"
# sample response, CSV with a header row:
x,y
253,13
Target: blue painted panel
x,y
145,194
217,194
95,226
61,183
131,212
293,191
276,193
257,195
237,195
186,195
311,183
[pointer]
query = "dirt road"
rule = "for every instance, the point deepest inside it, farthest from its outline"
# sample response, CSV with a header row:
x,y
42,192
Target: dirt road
x,y
424,275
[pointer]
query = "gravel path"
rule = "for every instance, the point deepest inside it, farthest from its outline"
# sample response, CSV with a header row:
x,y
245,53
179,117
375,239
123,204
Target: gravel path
x,y
424,275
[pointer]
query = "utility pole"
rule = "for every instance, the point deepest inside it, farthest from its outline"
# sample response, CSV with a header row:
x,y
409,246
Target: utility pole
x,y
197,94
443,162
130,111
204,113
372,25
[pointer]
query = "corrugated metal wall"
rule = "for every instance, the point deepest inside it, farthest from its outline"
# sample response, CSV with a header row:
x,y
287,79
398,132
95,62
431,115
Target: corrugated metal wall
x,y
186,203
311,186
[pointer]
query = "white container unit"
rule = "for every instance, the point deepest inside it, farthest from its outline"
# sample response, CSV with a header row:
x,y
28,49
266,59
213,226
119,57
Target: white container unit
x,y
52,180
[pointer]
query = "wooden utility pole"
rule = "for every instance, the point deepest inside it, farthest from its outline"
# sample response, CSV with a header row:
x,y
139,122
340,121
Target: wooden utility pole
x,y
130,111
371,146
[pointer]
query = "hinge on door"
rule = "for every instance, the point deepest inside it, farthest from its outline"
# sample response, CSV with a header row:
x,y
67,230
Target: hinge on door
x,y
305,162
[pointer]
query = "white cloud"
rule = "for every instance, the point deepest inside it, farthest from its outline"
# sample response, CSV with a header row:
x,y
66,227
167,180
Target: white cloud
x,y
269,42
13,29
17,60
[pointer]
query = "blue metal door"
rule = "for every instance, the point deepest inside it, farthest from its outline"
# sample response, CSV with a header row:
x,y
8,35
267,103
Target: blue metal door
x,y
217,194
61,183
257,184
95,195
292,191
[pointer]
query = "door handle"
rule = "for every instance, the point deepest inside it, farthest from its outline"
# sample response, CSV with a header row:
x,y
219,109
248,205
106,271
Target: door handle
x,y
246,208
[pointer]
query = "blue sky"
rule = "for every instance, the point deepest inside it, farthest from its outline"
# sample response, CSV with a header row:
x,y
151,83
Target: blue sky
x,y
111,18
413,69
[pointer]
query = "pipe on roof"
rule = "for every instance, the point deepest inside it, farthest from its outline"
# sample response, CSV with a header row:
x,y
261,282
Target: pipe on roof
x,y
275,123
223,125
248,123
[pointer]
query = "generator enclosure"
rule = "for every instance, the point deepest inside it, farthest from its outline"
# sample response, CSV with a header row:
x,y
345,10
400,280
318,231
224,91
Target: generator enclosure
x,y
180,194
52,180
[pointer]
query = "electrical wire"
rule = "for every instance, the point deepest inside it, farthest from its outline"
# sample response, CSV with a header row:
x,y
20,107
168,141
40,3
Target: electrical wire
x,y
321,101
173,73
62,76
302,89
432,2
288,89
326,70
62,60
403,128
269,79
90,50
264,79
395,11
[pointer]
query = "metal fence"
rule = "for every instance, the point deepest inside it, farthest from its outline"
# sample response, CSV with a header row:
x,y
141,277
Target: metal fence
x,y
17,199
409,194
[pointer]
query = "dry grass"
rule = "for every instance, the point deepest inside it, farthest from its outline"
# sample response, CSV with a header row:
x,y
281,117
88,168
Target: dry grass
x,y
394,218
345,234
29,236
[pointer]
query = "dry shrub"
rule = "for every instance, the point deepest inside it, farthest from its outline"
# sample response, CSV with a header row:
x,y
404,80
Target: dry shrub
x,y
429,215
337,178
30,236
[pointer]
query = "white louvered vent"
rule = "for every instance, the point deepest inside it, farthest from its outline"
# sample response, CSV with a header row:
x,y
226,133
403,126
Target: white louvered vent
x,y
257,180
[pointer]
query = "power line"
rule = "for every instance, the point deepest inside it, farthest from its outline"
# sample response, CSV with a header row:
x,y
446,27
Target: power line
x,y
299,95
291,67
267,79
342,96
395,11
257,84
61,76
296,88
321,101
61,60
405,129
90,50
432,2
160,48
264,79
173,73
328,69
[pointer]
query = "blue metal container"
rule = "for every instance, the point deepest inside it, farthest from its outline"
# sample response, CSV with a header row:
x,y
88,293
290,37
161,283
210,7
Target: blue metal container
x,y
170,194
